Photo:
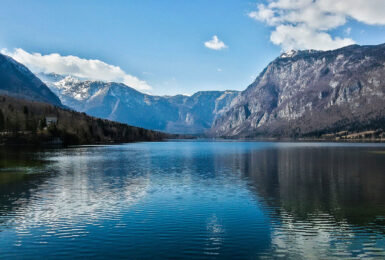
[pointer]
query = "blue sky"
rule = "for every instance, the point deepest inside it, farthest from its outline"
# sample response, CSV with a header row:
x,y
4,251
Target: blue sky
x,y
162,42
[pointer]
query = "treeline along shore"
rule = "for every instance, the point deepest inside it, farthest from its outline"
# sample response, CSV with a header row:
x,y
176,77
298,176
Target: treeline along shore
x,y
25,122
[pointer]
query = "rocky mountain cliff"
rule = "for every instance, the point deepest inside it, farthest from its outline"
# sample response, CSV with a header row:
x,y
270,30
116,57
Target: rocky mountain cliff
x,y
174,114
18,81
311,93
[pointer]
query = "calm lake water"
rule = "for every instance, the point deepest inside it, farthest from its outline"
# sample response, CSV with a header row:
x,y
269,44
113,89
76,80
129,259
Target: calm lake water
x,y
201,200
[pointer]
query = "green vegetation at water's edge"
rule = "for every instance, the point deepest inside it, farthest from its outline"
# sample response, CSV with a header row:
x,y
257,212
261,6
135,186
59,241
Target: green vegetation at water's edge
x,y
29,122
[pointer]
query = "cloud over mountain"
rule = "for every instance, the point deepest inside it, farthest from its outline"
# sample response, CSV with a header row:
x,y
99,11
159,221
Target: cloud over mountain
x,y
306,24
89,69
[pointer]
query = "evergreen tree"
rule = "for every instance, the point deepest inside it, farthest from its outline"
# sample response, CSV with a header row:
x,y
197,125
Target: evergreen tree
x,y
25,110
42,124
2,121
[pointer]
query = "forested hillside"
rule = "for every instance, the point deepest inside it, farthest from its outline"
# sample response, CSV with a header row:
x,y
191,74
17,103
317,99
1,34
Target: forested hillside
x,y
30,122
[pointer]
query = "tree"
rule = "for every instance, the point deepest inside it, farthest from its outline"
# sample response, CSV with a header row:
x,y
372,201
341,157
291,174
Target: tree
x,y
42,123
25,110
2,121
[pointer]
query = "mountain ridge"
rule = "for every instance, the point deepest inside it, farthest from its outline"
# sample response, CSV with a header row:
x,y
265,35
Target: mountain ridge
x,y
31,114
18,81
298,94
115,101
311,93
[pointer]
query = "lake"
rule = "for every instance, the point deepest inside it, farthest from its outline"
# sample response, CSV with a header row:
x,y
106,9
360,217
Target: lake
x,y
194,199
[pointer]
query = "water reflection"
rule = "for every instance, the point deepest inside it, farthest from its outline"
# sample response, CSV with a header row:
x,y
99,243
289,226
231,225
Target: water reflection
x,y
73,191
304,181
195,200
323,201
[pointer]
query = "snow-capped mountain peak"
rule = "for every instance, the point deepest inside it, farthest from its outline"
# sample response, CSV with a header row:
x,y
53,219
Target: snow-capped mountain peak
x,y
118,102
289,54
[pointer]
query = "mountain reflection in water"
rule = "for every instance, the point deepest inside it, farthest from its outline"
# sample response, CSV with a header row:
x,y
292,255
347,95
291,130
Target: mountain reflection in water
x,y
194,199
323,201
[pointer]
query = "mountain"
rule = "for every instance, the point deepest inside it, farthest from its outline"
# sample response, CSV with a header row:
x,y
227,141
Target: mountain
x,y
30,113
18,81
115,101
311,93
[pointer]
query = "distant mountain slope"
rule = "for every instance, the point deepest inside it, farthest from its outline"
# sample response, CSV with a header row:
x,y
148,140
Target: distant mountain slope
x,y
118,102
16,80
310,93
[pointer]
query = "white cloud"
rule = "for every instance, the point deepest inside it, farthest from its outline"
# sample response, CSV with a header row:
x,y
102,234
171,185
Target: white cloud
x,y
366,11
306,24
215,44
302,37
75,66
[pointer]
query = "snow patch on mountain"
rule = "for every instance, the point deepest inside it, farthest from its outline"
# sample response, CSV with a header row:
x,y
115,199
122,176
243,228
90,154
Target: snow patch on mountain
x,y
116,101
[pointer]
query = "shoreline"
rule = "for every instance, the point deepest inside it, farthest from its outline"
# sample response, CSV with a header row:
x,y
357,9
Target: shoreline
x,y
261,140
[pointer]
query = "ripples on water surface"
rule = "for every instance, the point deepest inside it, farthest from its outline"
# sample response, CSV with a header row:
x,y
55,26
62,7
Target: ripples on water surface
x,y
194,200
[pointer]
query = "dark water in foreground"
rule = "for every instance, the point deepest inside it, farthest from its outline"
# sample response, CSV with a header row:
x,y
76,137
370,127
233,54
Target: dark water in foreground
x,y
194,200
